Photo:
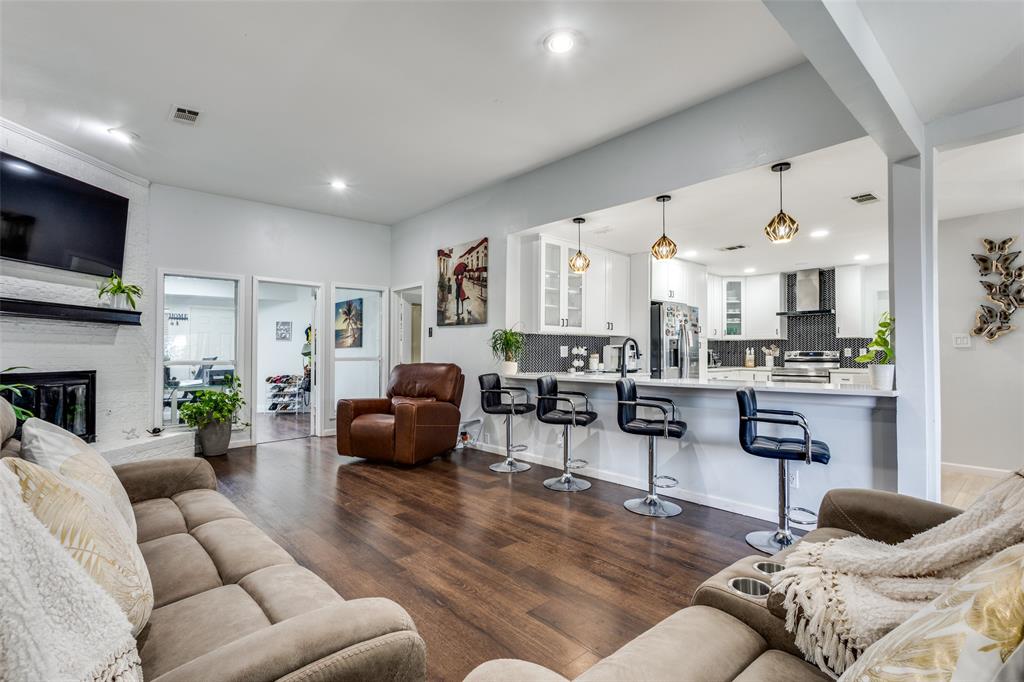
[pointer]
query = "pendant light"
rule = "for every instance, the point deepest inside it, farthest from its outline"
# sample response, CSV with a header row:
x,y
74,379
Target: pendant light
x,y
783,227
664,248
579,262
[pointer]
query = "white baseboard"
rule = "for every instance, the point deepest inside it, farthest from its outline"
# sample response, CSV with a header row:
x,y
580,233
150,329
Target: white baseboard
x,y
972,470
330,433
677,492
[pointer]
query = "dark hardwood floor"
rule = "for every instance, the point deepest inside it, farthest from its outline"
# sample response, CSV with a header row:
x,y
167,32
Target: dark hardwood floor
x,y
488,565
271,426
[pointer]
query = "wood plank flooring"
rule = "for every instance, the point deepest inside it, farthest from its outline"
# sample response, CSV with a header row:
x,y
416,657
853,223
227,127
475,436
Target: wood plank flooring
x,y
488,565
962,487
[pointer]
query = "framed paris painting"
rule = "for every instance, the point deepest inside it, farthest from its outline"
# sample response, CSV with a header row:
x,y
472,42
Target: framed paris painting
x,y
462,284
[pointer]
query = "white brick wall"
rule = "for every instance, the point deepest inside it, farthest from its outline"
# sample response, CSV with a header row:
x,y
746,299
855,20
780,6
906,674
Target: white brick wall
x,y
123,357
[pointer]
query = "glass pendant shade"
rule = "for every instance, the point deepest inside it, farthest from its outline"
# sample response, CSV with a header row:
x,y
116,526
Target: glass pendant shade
x,y
782,228
664,248
579,262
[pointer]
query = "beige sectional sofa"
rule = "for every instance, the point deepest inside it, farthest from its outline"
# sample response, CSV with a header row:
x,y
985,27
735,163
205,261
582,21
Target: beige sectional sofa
x,y
725,636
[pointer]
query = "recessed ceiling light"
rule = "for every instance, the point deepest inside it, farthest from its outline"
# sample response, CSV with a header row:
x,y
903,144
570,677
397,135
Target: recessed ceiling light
x,y
818,234
861,256
338,184
689,254
560,42
749,270
123,136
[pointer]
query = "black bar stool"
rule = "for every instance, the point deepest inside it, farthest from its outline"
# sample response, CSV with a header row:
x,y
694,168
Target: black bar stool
x,y
785,450
491,392
651,505
548,399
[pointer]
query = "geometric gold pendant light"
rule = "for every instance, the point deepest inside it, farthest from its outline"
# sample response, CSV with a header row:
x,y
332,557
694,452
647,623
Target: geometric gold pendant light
x,y
579,262
664,248
783,227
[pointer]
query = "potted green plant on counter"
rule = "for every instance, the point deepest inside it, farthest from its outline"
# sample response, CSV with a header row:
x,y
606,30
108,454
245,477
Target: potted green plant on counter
x,y
883,372
120,292
507,345
212,414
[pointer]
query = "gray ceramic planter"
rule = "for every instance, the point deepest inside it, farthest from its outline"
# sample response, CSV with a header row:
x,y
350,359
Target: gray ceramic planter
x,y
214,438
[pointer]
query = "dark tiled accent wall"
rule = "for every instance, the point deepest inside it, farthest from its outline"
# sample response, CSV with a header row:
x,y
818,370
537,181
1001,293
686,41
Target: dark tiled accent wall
x,y
814,332
542,351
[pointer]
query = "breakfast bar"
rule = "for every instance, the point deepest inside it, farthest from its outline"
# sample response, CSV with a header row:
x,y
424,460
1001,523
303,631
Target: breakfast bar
x,y
858,421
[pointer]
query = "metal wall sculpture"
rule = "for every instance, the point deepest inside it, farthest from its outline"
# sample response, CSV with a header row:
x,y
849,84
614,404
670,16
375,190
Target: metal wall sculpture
x,y
1006,291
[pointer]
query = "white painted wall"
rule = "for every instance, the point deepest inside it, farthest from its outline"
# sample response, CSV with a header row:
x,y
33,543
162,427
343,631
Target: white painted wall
x,y
785,115
121,356
983,386
199,232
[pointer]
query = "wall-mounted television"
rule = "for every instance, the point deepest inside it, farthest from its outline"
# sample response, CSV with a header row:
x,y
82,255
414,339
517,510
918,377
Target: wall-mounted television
x,y
49,219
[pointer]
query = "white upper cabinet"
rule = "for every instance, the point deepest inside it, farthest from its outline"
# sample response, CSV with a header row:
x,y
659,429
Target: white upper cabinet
x,y
561,294
732,307
617,293
713,315
862,295
596,283
678,281
765,297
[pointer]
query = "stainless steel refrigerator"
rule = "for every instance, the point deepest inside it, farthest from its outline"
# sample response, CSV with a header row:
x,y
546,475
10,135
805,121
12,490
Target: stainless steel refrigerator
x,y
675,341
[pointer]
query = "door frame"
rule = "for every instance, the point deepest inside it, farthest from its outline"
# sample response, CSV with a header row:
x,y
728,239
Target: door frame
x,y
316,397
385,330
395,350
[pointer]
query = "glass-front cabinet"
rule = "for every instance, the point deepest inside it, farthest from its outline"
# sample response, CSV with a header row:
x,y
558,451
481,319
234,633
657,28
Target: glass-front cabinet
x,y
562,299
733,290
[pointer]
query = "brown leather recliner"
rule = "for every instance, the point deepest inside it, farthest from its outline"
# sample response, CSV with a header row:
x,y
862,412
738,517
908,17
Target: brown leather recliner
x,y
418,419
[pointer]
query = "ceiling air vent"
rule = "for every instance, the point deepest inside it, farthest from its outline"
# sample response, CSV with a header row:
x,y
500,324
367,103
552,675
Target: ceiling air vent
x,y
735,247
187,116
868,198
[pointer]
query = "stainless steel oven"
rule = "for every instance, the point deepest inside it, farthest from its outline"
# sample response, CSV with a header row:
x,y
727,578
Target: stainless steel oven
x,y
806,366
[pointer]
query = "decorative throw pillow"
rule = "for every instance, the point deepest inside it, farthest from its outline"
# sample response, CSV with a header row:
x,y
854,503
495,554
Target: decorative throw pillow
x,y
53,448
86,523
965,635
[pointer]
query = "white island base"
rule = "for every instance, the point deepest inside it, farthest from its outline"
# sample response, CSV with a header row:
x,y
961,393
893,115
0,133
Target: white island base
x,y
858,423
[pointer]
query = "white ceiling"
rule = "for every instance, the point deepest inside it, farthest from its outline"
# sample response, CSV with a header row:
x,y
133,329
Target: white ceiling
x,y
412,103
734,210
952,56
982,178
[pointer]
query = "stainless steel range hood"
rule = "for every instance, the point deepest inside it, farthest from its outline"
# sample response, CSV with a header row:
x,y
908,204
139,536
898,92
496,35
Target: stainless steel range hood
x,y
808,295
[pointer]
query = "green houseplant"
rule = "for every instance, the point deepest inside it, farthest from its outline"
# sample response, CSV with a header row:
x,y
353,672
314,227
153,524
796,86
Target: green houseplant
x,y
507,345
15,389
118,290
882,372
212,413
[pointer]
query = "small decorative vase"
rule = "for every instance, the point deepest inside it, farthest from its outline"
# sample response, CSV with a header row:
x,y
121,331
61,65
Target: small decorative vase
x,y
214,438
769,361
509,367
882,376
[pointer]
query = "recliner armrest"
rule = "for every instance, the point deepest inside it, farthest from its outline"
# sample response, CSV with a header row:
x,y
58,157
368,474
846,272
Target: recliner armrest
x,y
157,478
361,639
880,515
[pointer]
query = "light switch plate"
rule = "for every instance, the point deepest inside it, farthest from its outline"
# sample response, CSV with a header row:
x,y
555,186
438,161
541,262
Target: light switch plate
x,y
847,352
961,340
564,350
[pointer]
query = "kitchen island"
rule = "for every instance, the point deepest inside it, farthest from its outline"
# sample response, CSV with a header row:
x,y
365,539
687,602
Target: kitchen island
x,y
857,421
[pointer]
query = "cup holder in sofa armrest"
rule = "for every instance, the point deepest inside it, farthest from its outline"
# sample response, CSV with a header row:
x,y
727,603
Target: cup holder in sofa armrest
x,y
768,567
751,587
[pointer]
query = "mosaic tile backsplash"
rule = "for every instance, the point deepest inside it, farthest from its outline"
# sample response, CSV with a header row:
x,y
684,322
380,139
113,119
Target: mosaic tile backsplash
x,y
542,352
814,332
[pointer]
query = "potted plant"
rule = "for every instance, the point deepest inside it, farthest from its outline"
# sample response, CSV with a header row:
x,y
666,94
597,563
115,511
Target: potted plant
x,y
507,345
120,292
883,372
15,390
212,413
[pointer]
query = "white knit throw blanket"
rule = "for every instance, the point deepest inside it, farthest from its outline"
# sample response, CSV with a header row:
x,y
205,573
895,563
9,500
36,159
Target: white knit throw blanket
x,y
843,595
56,623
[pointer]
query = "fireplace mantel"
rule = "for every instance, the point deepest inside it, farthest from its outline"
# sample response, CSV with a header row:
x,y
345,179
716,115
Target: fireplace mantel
x,y
48,310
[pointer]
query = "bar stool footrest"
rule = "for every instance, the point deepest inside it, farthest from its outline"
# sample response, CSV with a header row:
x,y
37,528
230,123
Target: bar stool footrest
x,y
670,481
810,520
517,448
577,463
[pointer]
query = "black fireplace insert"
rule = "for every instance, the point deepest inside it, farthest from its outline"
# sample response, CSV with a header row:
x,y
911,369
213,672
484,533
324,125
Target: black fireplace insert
x,y
67,399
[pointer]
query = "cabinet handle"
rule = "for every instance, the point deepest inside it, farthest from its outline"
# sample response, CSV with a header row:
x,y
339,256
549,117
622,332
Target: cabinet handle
x,y
613,326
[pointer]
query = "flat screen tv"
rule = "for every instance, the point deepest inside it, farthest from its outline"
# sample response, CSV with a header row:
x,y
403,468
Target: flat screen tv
x,y
49,219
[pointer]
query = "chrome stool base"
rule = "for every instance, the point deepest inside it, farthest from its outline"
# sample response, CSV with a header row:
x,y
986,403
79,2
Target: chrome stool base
x,y
769,541
566,483
509,466
652,505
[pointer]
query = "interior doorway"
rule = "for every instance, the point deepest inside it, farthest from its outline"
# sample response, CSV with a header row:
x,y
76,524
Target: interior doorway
x,y
407,325
286,384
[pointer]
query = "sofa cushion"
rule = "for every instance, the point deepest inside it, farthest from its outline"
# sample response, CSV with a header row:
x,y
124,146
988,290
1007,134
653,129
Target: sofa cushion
x,y
179,567
696,644
53,448
426,380
8,421
375,434
157,518
202,506
238,548
778,666
288,590
186,629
